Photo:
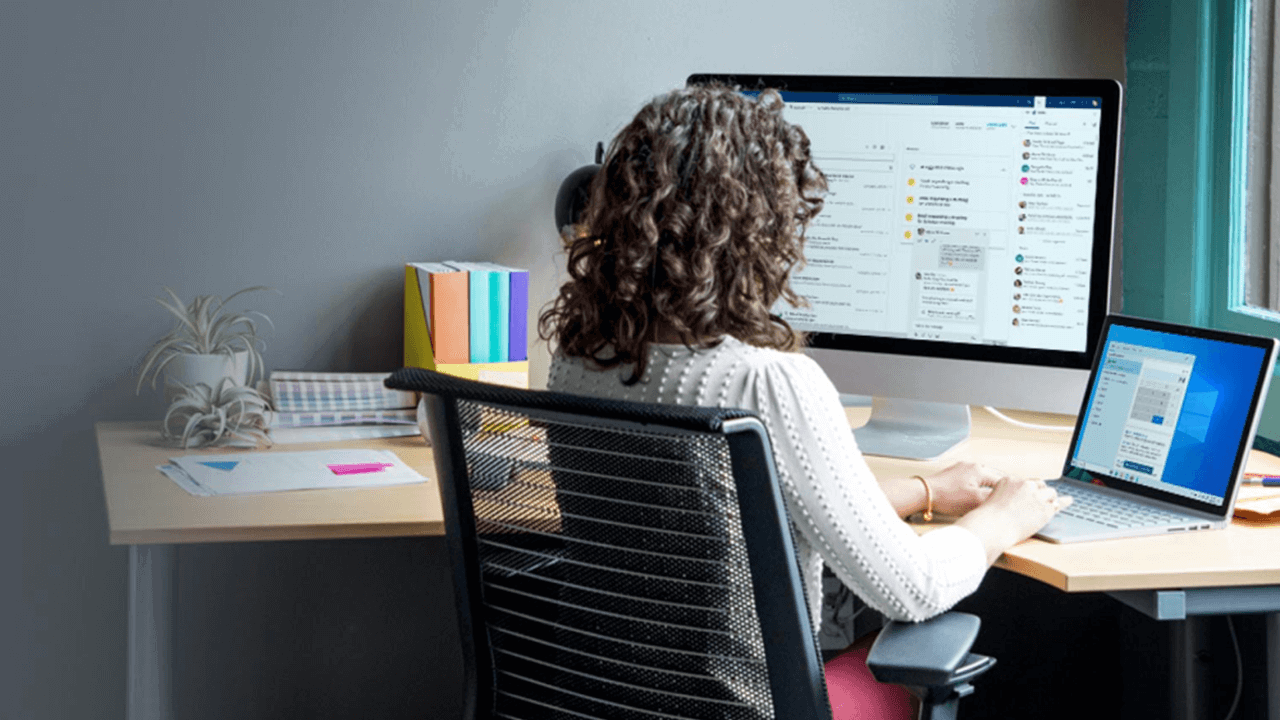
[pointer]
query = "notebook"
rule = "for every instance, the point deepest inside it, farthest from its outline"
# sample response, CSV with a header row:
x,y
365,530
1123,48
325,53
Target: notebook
x,y
1165,428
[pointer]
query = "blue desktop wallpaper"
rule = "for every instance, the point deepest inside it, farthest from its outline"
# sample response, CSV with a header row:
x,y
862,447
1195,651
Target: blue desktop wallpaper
x,y
1214,411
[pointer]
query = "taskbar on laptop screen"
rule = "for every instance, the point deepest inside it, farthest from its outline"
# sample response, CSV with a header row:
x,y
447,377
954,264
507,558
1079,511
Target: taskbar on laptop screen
x,y
1168,412
967,218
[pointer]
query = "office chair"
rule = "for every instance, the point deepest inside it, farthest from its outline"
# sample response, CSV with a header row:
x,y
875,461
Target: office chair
x,y
629,560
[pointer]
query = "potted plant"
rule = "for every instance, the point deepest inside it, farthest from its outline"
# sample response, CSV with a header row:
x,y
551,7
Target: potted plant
x,y
200,416
208,344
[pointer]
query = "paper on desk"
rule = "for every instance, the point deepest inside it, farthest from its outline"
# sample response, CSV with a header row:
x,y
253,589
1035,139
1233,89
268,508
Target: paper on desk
x,y
1258,503
244,473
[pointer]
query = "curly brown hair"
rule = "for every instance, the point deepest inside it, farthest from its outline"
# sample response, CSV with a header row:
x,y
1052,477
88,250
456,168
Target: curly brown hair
x,y
692,225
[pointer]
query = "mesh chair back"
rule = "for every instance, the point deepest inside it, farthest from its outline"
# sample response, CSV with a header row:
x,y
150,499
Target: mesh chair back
x,y
612,558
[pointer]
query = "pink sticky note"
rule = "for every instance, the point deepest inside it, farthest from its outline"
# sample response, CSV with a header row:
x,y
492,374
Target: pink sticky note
x,y
358,468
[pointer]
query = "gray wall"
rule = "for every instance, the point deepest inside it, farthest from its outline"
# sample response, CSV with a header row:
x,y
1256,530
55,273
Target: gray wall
x,y
315,147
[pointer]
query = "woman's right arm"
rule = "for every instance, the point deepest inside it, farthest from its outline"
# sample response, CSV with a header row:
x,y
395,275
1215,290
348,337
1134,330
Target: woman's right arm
x,y
837,504
1016,510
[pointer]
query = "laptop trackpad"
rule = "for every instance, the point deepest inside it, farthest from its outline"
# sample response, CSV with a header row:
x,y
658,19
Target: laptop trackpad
x,y
1064,527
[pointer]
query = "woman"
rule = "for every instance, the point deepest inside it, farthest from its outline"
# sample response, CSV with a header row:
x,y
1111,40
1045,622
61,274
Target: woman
x,y
693,226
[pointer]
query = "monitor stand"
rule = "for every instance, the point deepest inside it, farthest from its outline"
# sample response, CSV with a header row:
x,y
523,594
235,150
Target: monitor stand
x,y
912,429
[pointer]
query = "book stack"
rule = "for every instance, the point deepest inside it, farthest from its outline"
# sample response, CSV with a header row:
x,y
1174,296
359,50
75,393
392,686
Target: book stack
x,y
469,319
329,406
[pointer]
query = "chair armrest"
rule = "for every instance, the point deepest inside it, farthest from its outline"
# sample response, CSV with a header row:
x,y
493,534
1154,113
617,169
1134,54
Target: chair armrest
x,y
927,654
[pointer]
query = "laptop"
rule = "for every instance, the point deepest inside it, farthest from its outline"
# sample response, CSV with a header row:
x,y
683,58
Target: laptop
x,y
1165,428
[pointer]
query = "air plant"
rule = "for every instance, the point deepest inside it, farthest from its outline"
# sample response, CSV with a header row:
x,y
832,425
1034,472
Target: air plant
x,y
205,328
201,416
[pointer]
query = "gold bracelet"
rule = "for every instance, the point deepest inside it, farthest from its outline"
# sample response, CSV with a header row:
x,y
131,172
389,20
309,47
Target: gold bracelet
x,y
928,499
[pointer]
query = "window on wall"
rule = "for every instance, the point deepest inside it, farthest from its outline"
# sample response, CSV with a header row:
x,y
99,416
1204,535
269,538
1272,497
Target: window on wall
x,y
1262,259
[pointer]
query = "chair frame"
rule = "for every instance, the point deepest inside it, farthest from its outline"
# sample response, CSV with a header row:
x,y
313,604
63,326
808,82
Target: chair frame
x,y
932,659
796,678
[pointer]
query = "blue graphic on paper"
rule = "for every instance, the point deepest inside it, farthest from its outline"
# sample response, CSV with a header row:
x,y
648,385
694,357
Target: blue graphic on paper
x,y
221,464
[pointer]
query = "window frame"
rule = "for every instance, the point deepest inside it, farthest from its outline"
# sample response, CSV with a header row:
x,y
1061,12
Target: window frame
x,y
1205,172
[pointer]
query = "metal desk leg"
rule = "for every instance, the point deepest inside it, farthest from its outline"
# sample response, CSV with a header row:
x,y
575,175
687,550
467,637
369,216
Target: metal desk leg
x,y
1273,665
151,579
1189,643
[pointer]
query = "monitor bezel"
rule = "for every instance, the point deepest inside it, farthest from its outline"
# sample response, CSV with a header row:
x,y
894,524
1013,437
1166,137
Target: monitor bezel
x,y
1108,90
1260,385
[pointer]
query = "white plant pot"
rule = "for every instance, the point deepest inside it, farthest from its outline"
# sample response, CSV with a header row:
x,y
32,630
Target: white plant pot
x,y
207,369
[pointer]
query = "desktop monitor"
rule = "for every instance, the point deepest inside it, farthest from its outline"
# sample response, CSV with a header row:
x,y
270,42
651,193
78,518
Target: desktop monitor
x,y
963,254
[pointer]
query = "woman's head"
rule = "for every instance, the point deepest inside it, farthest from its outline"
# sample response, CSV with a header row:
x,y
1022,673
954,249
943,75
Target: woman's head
x,y
693,225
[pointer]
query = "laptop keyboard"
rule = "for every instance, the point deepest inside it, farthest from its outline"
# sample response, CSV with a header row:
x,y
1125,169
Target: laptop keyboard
x,y
1113,511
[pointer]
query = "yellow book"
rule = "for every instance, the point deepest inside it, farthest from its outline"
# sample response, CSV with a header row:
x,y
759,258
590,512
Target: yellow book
x,y
511,374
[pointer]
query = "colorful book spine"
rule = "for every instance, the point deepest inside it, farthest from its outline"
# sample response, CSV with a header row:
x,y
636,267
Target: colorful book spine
x,y
514,309
480,287
499,312
450,317
518,333
436,315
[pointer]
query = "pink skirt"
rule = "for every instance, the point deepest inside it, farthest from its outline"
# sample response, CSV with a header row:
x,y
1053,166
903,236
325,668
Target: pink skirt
x,y
855,694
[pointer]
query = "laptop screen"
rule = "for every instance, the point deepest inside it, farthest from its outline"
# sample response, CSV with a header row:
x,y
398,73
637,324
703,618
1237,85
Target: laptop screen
x,y
1168,412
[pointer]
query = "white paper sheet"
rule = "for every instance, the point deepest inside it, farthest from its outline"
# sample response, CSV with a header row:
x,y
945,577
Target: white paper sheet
x,y
245,473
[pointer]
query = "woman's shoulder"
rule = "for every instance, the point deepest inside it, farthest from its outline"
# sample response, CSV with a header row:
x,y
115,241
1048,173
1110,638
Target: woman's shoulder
x,y
771,366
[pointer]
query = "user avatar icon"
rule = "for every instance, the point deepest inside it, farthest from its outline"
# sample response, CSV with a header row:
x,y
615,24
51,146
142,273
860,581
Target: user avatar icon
x,y
1026,143
1017,283
1022,216
1021,230
1022,204
1017,308
1017,296
919,276
1017,270
1026,156
1015,321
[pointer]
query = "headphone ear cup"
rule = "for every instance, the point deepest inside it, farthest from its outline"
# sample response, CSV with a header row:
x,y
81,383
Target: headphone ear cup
x,y
572,197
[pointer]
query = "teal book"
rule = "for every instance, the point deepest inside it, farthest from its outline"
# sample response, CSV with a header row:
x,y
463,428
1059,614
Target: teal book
x,y
499,312
480,287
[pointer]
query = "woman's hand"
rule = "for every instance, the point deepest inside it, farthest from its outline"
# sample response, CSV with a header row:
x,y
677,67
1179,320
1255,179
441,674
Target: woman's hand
x,y
962,487
1015,510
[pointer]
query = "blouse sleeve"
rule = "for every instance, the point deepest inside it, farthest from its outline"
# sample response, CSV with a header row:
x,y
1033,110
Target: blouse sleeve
x,y
837,505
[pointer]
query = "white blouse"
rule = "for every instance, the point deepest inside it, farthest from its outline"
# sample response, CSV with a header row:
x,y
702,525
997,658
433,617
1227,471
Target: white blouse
x,y
841,515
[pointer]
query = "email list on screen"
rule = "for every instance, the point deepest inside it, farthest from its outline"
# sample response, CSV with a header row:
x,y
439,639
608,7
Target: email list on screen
x,y
961,218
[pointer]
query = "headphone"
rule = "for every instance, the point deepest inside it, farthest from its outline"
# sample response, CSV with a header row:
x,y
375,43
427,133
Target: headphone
x,y
572,197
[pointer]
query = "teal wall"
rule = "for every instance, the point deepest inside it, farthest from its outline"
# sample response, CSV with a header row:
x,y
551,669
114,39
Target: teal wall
x,y
1146,139
1185,166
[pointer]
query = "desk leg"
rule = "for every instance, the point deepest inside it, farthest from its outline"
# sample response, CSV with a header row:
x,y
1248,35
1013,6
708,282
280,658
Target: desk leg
x,y
1273,665
1189,646
151,580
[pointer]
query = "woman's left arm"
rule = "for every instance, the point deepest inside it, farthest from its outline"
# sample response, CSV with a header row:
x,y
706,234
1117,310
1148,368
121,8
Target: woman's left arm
x,y
956,490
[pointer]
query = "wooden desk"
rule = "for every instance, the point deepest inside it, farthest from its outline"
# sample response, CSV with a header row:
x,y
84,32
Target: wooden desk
x,y
1183,577
145,507
150,513
1176,577
1246,553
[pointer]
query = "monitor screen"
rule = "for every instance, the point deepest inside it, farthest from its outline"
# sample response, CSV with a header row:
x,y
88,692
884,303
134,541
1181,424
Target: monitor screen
x,y
1169,411
966,218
